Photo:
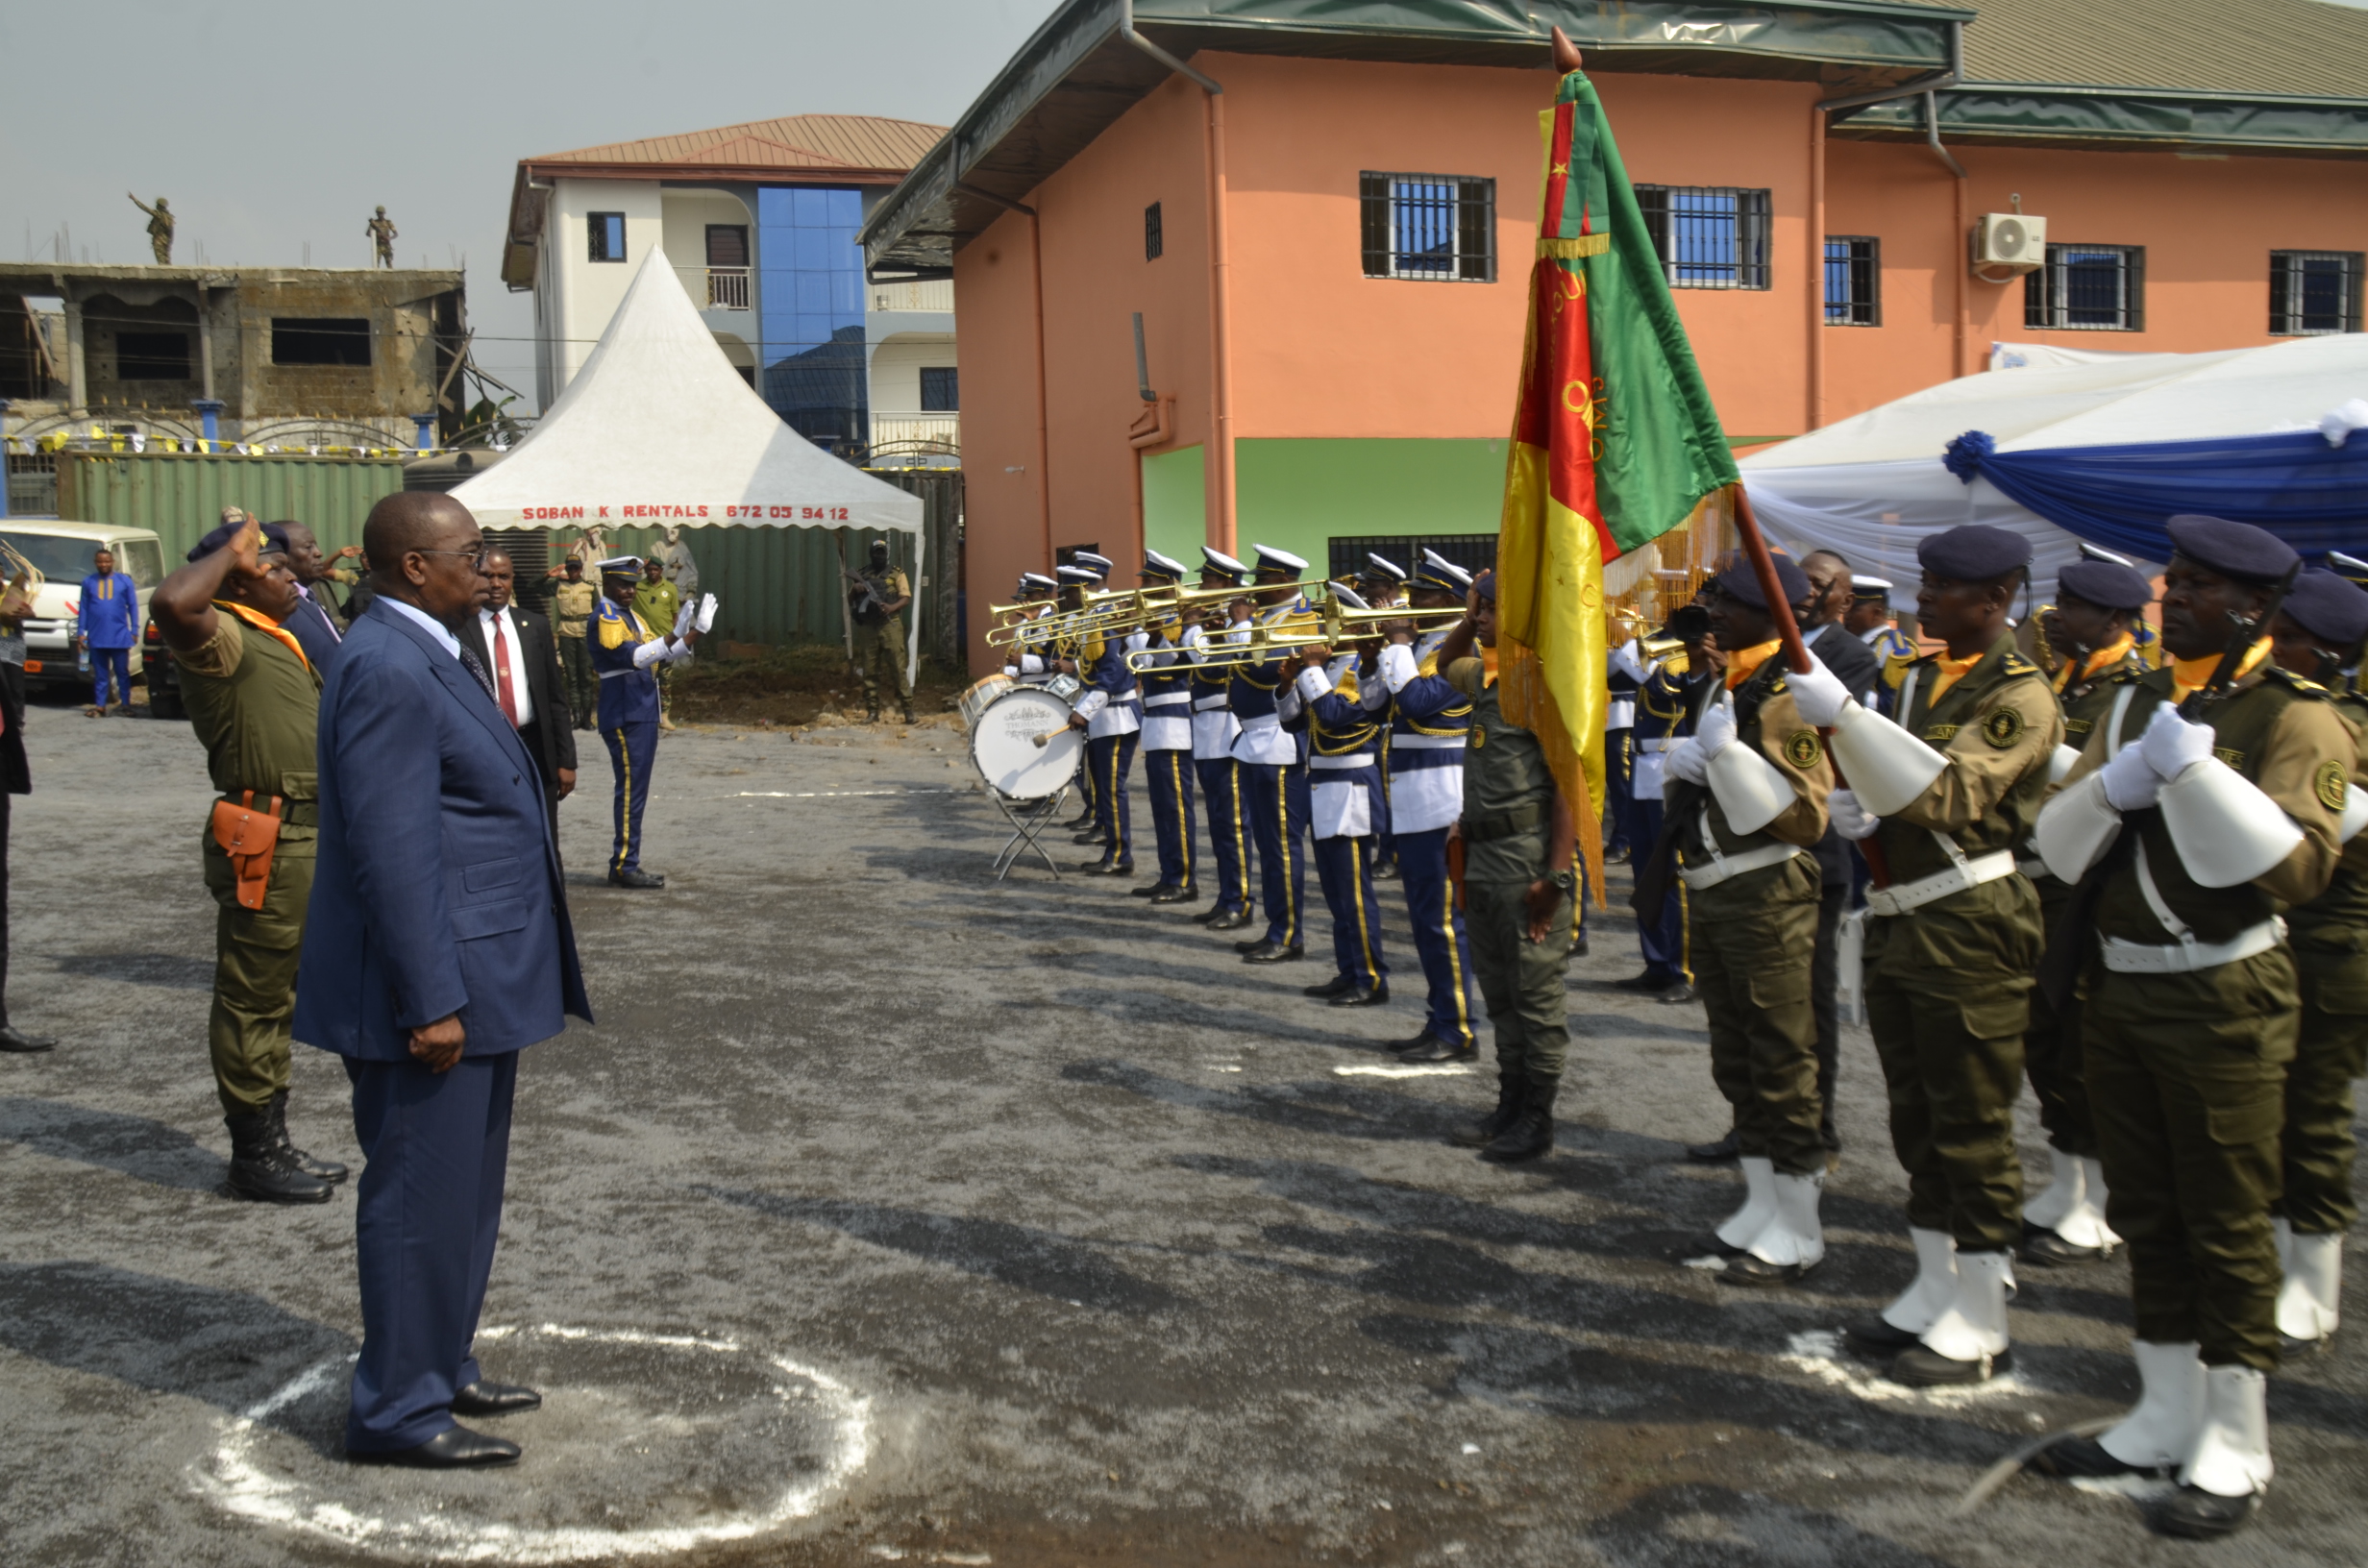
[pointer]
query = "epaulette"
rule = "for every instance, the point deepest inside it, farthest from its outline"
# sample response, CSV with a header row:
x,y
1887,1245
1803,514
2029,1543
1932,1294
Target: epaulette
x,y
2297,684
609,610
2014,664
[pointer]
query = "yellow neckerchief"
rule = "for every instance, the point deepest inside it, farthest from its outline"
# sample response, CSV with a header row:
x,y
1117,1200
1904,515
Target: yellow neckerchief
x,y
2111,654
1952,671
264,623
2191,676
1488,667
1743,663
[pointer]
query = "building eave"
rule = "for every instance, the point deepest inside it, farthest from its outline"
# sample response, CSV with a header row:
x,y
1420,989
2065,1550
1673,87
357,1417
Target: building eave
x,y
2145,119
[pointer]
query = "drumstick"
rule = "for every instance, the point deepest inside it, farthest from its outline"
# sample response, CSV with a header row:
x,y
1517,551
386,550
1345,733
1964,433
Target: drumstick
x,y
1052,735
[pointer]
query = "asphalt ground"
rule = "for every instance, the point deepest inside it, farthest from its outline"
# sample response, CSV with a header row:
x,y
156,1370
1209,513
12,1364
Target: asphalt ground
x,y
892,1214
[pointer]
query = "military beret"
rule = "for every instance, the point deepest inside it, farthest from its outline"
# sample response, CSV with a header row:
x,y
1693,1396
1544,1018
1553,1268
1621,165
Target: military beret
x,y
1742,582
1973,553
274,539
1485,585
2328,607
2105,584
2232,550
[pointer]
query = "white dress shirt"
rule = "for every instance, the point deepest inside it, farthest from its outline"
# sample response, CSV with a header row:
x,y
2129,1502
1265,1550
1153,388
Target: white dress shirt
x,y
434,629
517,660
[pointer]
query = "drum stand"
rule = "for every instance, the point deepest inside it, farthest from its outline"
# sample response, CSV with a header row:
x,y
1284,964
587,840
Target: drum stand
x,y
1028,820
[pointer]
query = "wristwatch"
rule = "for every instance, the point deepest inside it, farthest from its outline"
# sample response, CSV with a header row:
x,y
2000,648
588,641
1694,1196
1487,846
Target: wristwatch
x,y
1567,880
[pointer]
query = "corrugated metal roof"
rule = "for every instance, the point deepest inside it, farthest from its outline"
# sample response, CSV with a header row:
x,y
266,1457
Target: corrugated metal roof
x,y
2306,48
796,141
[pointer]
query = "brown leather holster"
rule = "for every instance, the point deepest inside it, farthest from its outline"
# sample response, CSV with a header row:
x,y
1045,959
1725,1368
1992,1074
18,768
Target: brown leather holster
x,y
249,837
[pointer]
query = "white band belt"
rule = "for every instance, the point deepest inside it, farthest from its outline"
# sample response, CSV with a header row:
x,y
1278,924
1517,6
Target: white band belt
x,y
1957,878
1262,720
1426,743
1698,878
1207,704
1661,743
2143,958
1167,699
612,675
1358,759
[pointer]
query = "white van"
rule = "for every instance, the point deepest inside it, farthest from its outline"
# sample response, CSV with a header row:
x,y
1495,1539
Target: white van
x,y
62,551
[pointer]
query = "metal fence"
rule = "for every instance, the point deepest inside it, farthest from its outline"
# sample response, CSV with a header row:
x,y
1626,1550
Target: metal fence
x,y
1474,553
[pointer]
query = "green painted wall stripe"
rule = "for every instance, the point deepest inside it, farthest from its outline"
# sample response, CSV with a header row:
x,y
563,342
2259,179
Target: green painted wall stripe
x,y
1176,502
1297,495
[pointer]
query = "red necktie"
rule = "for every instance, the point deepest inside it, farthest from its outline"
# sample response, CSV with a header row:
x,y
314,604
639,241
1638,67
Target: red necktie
x,y
503,690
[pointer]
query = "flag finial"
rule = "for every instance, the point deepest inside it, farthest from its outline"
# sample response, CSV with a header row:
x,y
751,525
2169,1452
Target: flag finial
x,y
1566,58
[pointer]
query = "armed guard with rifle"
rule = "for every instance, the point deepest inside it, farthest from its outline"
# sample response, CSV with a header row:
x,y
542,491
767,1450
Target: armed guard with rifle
x,y
876,600
2210,798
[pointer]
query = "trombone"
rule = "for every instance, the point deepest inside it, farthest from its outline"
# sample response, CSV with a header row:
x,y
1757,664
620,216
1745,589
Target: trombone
x,y
1118,611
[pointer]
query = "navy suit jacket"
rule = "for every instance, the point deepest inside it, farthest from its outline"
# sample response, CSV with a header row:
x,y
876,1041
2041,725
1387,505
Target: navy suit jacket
x,y
438,889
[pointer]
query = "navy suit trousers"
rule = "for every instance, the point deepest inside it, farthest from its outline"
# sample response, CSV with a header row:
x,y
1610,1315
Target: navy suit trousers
x,y
430,1207
1170,775
1344,870
1221,790
1274,801
633,751
1439,940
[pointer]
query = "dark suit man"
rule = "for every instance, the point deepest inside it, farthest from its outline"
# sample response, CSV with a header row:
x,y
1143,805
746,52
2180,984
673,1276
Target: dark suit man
x,y
523,658
314,623
437,948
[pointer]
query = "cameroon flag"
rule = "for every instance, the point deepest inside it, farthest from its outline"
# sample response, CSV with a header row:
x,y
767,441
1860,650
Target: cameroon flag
x,y
1615,441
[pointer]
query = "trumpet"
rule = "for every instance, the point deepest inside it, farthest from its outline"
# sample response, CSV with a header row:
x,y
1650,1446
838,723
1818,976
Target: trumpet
x,y
1123,610
1333,626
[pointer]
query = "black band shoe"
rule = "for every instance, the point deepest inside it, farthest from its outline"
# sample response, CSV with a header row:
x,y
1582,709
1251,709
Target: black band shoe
x,y
1233,921
1274,952
636,878
1758,1274
1875,1338
2200,1515
2084,1459
1152,892
1362,997
455,1448
2043,1248
1174,895
1729,1147
1429,1047
1330,988
486,1397
12,1040
1923,1368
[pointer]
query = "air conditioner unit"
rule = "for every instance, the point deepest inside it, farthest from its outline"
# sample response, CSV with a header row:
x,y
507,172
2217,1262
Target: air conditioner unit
x,y
2010,240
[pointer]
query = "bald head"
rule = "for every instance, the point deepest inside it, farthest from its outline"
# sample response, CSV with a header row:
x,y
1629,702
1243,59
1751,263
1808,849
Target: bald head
x,y
422,547
407,520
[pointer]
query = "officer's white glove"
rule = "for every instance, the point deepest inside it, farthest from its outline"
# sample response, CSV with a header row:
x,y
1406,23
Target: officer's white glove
x,y
682,619
1685,761
1818,692
2131,783
1852,820
2172,746
706,614
1716,732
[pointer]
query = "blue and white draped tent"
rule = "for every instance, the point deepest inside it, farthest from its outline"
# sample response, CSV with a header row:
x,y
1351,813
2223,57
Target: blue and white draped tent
x,y
2104,452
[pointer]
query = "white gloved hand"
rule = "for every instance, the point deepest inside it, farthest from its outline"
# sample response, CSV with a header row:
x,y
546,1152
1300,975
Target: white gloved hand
x,y
1716,730
705,623
682,619
1852,820
1818,692
2131,783
2172,746
1685,761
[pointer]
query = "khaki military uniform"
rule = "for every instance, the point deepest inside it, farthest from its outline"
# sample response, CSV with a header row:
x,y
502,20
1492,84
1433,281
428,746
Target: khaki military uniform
x,y
658,603
2330,938
2186,1070
255,703
571,611
880,639
1751,914
1509,796
1948,982
2052,1043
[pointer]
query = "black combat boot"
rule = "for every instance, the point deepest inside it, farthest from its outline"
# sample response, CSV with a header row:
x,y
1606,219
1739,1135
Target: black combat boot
x,y
1530,1134
326,1170
908,714
261,1172
1479,1135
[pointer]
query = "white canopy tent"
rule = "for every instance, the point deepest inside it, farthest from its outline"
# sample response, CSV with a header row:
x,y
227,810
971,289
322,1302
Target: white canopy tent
x,y
1871,486
658,429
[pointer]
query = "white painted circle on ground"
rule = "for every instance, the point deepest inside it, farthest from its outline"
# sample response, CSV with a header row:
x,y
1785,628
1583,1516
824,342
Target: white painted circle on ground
x,y
645,1444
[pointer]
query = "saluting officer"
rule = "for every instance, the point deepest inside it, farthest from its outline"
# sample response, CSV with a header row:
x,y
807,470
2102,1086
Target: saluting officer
x,y
1520,839
1274,762
626,653
2098,599
1347,814
1746,793
1668,704
1946,794
2317,636
1214,729
1430,722
1166,743
2200,833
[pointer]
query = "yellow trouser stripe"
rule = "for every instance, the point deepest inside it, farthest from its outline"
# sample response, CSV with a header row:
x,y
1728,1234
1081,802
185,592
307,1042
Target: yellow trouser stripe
x,y
625,805
1455,958
1357,867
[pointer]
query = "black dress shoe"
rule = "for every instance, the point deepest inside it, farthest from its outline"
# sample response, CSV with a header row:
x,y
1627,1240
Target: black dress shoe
x,y
1677,995
486,1397
1875,1339
1923,1368
1429,1047
1758,1274
1174,895
1330,988
1362,997
1234,921
636,878
455,1448
1729,1147
1089,835
2043,1248
1108,868
2085,1459
1152,892
1578,946
12,1040
2200,1515
1274,952
1648,981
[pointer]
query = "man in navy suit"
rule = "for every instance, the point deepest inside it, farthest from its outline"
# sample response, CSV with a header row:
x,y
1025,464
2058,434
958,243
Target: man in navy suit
x,y
437,948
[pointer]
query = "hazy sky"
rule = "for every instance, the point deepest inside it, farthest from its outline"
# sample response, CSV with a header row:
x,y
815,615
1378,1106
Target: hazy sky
x,y
271,124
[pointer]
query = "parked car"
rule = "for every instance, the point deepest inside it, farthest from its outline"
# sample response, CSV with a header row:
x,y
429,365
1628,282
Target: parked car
x,y
62,551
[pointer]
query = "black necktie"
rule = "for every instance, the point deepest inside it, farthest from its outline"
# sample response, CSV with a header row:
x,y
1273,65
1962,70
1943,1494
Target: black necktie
x,y
477,669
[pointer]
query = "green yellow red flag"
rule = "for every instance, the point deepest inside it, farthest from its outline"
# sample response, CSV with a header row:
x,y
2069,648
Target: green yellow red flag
x,y
1615,441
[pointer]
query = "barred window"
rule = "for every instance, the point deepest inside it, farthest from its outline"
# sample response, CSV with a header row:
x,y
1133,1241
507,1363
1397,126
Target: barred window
x,y
1441,227
2313,292
1709,237
1852,280
2087,288
1154,242
603,237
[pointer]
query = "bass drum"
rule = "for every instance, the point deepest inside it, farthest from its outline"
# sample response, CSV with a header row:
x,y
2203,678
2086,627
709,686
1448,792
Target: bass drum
x,y
1021,742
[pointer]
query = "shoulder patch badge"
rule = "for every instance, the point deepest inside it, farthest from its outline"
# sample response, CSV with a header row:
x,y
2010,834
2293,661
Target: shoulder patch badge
x,y
2003,728
1803,750
1479,736
2332,783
